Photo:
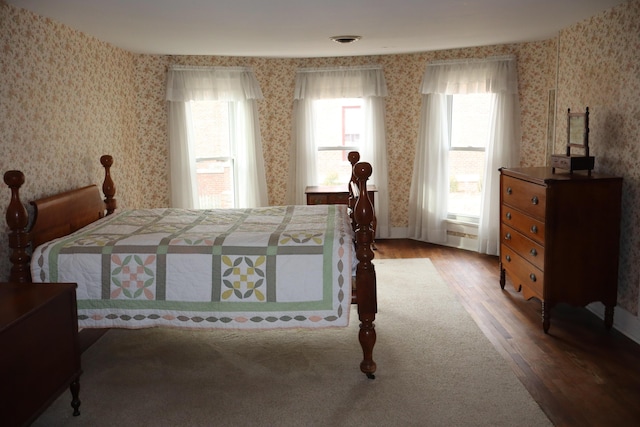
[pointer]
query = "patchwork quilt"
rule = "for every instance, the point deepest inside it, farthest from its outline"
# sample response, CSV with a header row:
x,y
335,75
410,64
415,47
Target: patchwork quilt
x,y
274,267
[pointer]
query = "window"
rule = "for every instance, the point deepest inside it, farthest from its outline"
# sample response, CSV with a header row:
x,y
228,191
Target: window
x,y
338,129
337,110
429,198
469,134
213,126
214,154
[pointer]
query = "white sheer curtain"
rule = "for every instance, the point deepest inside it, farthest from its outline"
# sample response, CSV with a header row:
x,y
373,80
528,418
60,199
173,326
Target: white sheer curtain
x,y
429,188
239,87
365,82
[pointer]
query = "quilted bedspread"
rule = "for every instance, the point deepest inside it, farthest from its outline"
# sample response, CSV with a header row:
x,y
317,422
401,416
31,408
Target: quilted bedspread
x,y
274,267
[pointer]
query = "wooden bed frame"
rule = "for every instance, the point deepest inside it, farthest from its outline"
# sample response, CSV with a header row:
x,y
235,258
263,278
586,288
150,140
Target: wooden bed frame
x,y
62,214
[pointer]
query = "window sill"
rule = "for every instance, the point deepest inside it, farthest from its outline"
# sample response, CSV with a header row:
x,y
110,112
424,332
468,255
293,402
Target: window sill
x,y
462,222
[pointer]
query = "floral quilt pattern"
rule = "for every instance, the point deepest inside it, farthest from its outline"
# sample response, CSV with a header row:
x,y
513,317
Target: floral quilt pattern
x,y
274,267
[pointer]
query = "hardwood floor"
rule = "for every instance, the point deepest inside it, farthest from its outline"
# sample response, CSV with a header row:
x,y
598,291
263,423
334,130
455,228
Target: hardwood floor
x,y
580,374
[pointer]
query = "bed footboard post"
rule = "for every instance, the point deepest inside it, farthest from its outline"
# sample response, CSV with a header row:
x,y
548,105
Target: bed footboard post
x,y
108,187
363,215
17,220
354,157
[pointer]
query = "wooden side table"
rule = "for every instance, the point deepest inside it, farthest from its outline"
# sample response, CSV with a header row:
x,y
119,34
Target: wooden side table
x,y
334,194
40,354
338,195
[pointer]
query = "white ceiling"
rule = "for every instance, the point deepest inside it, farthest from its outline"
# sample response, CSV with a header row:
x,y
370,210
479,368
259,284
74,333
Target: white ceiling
x,y
301,28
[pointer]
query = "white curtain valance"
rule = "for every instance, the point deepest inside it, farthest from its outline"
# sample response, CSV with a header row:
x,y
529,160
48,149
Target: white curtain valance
x,y
212,84
492,75
341,82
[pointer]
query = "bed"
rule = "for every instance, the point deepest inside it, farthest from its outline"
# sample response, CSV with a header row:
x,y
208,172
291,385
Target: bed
x,y
274,267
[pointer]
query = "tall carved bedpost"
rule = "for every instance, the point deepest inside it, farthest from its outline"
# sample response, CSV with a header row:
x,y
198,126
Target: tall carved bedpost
x,y
108,187
366,295
17,220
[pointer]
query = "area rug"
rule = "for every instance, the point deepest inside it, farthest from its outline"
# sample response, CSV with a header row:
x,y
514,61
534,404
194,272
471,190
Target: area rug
x,y
435,368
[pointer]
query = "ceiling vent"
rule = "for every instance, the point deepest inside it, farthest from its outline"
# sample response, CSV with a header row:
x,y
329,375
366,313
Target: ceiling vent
x,y
345,39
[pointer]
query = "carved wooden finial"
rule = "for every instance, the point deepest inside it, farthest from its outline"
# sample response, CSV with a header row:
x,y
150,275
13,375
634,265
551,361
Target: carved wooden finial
x,y
362,170
14,179
354,157
108,187
17,216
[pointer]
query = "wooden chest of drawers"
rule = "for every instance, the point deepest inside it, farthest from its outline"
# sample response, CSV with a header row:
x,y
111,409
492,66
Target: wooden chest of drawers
x,y
560,237
39,349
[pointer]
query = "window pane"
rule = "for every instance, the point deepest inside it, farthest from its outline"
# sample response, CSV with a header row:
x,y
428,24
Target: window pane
x,y
352,122
213,151
469,135
338,127
333,168
466,169
215,184
470,120
211,128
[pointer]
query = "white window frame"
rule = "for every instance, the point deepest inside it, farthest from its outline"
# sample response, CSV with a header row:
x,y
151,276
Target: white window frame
x,y
231,159
456,216
345,149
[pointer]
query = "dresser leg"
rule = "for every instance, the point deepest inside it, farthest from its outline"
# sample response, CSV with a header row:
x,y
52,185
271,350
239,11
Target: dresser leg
x,y
75,400
502,277
546,318
608,316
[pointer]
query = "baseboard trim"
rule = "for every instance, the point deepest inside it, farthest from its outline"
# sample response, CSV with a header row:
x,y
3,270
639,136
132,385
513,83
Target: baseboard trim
x,y
461,236
399,233
623,321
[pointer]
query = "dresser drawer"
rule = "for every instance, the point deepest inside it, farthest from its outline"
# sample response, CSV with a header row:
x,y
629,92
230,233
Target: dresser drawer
x,y
520,271
338,199
328,199
317,199
527,248
527,225
523,195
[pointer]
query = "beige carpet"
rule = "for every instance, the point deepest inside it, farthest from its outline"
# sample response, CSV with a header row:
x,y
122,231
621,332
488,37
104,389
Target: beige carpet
x,y
435,368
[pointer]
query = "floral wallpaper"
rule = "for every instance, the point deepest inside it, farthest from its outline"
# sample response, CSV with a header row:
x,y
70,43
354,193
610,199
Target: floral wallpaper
x,y
599,68
67,98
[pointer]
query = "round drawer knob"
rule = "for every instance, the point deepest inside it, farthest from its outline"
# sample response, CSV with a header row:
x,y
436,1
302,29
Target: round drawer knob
x,y
508,258
509,190
534,229
507,236
508,215
532,277
533,252
534,200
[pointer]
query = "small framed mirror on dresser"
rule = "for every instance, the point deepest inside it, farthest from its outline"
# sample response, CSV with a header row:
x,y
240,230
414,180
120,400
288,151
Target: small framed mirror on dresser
x,y
577,138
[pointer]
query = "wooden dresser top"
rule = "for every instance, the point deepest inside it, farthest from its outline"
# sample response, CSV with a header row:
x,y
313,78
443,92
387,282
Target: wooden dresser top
x,y
542,175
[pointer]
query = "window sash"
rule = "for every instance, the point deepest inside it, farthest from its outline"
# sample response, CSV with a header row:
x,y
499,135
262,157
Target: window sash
x,y
451,215
338,148
230,159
